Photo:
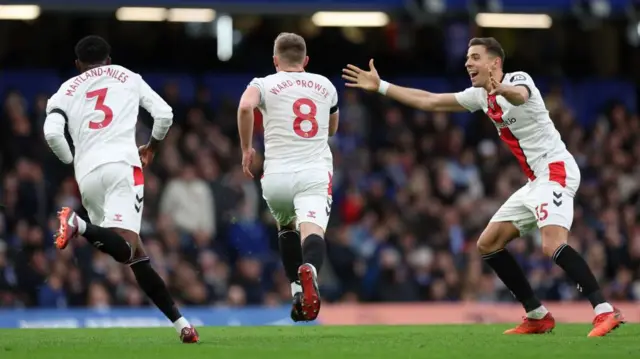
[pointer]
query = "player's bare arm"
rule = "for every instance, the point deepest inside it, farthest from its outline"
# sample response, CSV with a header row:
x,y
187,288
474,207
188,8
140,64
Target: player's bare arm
x,y
248,102
334,120
419,99
516,95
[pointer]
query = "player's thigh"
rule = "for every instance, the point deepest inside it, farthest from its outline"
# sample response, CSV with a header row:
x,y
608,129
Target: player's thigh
x,y
553,204
516,211
92,193
124,198
313,200
277,191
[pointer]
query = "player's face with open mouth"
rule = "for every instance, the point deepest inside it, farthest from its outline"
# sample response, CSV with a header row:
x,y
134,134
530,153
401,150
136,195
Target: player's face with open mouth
x,y
477,64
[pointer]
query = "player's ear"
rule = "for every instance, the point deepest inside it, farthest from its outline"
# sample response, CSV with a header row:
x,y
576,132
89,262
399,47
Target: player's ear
x,y
108,62
306,61
275,62
78,67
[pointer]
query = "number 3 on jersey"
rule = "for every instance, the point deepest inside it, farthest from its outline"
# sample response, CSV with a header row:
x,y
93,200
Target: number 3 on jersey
x,y
301,117
101,94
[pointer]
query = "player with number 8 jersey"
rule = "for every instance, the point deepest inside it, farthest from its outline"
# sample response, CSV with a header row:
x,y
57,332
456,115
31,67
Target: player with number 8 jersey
x,y
300,111
296,108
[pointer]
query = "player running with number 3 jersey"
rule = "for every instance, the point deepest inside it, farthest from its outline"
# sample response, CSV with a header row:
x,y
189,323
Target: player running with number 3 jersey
x,y
515,106
100,109
300,111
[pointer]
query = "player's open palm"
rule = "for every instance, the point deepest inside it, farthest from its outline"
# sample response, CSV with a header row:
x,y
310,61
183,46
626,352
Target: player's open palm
x,y
366,80
247,162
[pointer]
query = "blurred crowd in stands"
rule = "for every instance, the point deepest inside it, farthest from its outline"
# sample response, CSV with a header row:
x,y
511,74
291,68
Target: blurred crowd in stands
x,y
412,192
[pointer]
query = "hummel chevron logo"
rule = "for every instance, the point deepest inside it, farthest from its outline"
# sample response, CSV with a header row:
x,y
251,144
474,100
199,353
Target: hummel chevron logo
x,y
557,203
557,195
138,206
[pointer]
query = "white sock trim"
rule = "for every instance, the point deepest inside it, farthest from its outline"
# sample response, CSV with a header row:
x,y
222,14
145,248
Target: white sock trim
x,y
180,324
295,288
82,225
603,308
538,313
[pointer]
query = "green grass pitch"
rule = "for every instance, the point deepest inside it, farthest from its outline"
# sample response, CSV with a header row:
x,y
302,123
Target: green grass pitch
x,y
320,342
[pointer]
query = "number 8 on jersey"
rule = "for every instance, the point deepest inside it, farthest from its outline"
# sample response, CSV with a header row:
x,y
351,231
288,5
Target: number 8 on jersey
x,y
302,117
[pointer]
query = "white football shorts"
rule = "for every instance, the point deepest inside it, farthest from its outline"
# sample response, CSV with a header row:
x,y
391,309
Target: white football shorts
x,y
301,196
547,200
113,196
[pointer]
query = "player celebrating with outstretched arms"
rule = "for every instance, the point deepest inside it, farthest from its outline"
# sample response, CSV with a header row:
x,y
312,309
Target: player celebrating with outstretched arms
x,y
515,106
300,111
100,108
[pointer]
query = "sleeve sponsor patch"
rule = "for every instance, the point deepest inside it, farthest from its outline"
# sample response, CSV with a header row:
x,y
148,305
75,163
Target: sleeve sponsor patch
x,y
515,78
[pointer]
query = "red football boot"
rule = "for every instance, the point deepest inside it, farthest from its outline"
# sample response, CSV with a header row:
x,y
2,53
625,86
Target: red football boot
x,y
534,326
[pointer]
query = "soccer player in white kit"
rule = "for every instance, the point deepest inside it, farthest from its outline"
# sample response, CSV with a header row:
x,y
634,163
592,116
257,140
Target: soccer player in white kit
x,y
100,108
515,106
300,111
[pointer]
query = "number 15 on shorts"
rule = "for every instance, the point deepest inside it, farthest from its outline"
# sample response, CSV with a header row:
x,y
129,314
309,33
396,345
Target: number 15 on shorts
x,y
541,212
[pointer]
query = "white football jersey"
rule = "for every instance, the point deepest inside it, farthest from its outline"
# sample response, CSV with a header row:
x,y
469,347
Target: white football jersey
x,y
296,108
527,129
101,109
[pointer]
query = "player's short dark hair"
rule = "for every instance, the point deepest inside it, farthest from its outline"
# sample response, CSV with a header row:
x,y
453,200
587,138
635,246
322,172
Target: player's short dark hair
x,y
92,49
491,44
290,47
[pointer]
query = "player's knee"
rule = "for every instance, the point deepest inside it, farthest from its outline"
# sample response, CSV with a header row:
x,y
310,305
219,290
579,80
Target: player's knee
x,y
496,236
553,237
291,226
487,244
123,252
307,229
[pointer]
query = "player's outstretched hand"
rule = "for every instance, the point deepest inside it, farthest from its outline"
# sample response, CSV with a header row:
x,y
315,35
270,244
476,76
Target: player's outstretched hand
x,y
247,161
146,155
366,80
494,85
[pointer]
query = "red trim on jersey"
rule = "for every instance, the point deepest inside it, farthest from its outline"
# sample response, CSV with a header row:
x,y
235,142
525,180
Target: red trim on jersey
x,y
558,173
330,187
494,111
138,176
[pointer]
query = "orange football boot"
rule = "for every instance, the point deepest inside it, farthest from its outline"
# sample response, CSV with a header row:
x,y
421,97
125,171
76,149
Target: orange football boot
x,y
189,335
68,227
605,323
534,326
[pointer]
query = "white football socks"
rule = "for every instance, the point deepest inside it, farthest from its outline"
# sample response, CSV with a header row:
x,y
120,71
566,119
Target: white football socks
x,y
538,313
541,311
295,288
180,324
603,308
82,225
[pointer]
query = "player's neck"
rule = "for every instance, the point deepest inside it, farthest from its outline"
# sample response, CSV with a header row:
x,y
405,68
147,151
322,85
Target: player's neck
x,y
93,66
291,69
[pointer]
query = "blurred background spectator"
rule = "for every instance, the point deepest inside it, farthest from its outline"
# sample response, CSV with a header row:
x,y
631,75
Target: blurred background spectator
x,y
412,190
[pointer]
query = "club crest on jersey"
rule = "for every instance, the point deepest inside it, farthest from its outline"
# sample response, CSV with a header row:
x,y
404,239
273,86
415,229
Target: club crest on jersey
x,y
492,103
